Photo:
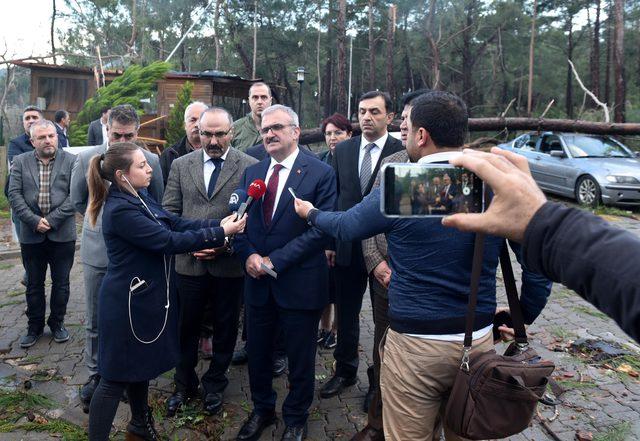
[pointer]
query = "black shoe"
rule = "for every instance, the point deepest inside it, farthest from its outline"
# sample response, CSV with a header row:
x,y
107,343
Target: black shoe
x,y
372,387
86,392
292,433
212,403
30,339
144,429
255,424
279,366
336,385
240,356
60,334
176,401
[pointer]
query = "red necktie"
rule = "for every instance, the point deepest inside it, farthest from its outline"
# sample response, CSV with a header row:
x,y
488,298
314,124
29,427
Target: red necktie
x,y
270,196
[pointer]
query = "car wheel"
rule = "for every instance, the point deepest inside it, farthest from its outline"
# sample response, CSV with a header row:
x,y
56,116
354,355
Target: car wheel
x,y
588,191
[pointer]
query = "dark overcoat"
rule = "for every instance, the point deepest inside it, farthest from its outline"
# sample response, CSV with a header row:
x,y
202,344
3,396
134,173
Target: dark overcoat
x,y
139,242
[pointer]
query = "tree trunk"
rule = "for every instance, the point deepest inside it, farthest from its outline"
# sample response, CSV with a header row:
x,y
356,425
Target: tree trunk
x,y
53,27
341,73
467,56
134,27
531,59
607,76
216,35
318,68
328,70
618,61
408,79
569,90
233,33
391,30
433,46
255,38
594,60
372,49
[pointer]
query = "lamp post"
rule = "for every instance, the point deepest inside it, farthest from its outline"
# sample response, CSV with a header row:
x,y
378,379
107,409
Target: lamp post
x,y
300,79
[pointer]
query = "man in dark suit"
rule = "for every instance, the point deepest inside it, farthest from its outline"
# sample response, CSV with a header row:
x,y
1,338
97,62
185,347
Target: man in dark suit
x,y
188,143
199,187
39,196
97,133
356,163
62,120
293,301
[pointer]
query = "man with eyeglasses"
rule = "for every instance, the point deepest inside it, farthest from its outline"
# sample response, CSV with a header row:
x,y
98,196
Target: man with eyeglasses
x,y
199,186
292,301
122,125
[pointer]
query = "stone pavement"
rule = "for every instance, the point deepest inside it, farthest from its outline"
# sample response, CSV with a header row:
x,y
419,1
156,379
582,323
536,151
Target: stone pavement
x,y
601,398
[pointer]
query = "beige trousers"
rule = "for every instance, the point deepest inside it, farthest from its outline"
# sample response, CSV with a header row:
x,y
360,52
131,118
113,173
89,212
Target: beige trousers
x,y
416,376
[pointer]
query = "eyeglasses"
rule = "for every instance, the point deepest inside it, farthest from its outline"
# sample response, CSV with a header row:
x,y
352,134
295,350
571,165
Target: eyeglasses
x,y
275,128
217,135
335,133
126,136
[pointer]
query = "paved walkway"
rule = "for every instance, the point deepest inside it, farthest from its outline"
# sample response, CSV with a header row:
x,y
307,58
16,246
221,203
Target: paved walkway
x,y
601,398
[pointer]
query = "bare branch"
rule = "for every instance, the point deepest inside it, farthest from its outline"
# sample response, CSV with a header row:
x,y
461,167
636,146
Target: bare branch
x,y
503,114
546,109
588,92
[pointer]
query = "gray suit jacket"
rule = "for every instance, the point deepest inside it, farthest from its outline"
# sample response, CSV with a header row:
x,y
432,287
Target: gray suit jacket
x,y
186,196
24,186
94,134
93,250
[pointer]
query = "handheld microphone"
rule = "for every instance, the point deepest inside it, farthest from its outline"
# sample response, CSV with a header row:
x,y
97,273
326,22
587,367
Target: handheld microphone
x,y
256,190
238,197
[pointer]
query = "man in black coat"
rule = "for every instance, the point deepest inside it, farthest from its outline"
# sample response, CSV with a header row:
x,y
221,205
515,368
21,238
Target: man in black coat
x,y
356,163
62,120
96,134
188,143
260,153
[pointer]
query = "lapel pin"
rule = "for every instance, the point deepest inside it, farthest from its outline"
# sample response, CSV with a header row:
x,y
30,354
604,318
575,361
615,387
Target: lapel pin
x,y
298,171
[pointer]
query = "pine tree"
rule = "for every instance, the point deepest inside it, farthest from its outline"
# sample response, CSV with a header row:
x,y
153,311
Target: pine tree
x,y
175,123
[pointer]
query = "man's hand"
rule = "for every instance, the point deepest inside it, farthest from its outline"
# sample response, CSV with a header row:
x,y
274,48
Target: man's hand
x,y
331,258
516,195
253,266
382,273
209,254
267,262
43,226
302,207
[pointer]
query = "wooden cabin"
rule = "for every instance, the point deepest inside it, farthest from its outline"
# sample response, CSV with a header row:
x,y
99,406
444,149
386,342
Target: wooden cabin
x,y
55,87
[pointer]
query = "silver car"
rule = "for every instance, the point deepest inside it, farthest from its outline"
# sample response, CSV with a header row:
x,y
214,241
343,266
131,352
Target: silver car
x,y
592,169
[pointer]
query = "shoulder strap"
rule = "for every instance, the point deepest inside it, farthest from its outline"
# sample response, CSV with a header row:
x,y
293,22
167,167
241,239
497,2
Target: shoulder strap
x,y
476,270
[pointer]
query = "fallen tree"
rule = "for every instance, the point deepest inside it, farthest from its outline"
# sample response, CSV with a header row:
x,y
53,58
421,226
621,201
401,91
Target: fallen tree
x,y
310,136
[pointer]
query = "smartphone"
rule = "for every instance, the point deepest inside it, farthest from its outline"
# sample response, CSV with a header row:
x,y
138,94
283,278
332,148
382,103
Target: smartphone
x,y
501,318
429,190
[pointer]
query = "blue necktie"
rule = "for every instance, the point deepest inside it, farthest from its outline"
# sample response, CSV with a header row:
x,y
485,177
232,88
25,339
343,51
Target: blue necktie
x,y
217,162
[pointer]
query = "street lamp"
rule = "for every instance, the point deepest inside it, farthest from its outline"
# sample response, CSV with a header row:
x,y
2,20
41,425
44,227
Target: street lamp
x,y
300,79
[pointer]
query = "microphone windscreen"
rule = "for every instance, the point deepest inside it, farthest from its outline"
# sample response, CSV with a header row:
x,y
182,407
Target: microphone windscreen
x,y
257,189
236,199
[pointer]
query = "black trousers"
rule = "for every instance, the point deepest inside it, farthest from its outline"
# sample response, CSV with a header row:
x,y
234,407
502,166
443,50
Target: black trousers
x,y
105,401
351,283
36,257
300,328
195,292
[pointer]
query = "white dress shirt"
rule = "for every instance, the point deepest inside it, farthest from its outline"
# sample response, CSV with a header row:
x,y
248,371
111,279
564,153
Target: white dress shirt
x,y
287,165
209,167
375,151
105,136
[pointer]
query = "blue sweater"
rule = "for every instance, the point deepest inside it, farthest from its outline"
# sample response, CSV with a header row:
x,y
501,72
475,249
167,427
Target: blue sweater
x,y
431,267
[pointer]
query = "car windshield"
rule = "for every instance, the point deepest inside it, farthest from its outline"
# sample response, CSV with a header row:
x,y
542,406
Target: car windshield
x,y
582,146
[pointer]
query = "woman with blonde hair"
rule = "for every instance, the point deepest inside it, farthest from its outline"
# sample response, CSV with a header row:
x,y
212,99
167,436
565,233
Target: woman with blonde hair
x,y
137,314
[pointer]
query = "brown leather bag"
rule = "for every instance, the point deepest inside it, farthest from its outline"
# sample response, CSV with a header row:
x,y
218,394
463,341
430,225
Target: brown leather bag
x,y
495,396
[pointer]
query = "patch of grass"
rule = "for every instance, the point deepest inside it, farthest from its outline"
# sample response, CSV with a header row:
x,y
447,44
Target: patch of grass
x,y
6,266
561,332
67,430
590,311
245,406
11,303
613,211
13,400
575,384
316,414
618,432
563,293
16,293
4,206
31,359
169,374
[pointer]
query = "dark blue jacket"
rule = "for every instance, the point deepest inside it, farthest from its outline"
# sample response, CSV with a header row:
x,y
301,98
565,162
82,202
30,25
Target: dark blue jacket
x,y
295,249
17,146
260,153
63,139
136,244
431,266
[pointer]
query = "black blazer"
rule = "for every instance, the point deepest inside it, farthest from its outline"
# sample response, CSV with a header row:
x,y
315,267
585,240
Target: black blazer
x,y
260,153
345,163
94,133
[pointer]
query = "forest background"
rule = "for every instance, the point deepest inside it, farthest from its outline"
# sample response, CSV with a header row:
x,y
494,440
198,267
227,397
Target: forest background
x,y
480,50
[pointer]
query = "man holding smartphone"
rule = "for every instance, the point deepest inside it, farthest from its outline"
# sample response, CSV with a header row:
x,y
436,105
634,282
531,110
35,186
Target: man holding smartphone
x,y
428,291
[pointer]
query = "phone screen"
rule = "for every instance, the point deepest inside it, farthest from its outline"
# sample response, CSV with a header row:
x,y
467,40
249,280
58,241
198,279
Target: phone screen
x,y
430,190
